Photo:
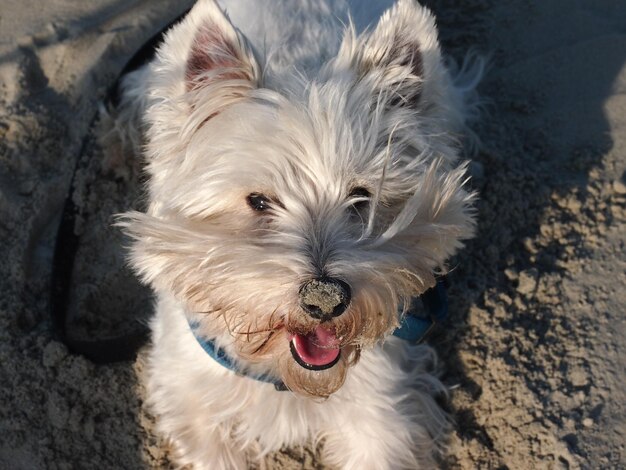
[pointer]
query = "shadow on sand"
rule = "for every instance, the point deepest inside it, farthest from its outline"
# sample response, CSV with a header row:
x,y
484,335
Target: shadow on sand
x,y
544,133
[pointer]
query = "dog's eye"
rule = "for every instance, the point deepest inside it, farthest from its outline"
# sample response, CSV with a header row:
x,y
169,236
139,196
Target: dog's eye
x,y
258,202
362,196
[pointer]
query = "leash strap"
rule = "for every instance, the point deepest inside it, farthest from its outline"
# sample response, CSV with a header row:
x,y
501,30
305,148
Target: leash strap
x,y
101,351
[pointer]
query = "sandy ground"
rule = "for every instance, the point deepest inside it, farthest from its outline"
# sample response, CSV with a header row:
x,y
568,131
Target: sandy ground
x,y
534,348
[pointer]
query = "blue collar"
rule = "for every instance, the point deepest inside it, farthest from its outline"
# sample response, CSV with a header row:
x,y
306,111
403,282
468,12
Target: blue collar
x,y
415,327
223,359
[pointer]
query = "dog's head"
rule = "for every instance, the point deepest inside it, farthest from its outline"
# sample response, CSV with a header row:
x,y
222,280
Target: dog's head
x,y
296,216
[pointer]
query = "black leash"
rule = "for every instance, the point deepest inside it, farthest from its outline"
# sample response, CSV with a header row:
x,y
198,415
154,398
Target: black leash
x,y
101,351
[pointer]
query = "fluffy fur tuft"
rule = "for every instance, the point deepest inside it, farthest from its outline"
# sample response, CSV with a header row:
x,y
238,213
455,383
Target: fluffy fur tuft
x,y
347,127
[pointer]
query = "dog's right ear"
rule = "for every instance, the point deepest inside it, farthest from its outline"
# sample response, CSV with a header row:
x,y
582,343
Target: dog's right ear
x,y
400,58
205,51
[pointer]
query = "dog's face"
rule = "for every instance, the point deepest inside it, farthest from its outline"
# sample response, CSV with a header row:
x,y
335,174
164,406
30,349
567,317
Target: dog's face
x,y
297,221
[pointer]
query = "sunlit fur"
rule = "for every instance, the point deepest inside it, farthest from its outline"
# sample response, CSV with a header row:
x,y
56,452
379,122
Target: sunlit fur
x,y
228,112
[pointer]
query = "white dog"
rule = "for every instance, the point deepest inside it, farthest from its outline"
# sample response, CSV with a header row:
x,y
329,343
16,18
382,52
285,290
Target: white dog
x,y
303,188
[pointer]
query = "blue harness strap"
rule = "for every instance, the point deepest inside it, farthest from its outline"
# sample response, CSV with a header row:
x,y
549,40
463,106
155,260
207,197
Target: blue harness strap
x,y
223,359
414,328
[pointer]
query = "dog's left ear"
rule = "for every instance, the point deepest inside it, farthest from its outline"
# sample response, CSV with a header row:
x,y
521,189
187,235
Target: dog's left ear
x,y
400,58
218,51
205,49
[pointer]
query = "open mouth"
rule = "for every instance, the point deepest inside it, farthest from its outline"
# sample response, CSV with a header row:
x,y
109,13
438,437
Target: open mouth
x,y
317,350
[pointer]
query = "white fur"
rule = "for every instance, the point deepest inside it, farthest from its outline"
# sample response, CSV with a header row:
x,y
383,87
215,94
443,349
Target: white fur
x,y
305,101
384,416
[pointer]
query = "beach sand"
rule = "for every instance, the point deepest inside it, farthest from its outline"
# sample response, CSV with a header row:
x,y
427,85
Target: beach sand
x,y
534,347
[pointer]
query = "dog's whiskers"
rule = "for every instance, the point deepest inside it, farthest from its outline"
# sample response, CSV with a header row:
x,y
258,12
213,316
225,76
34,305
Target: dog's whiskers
x,y
264,343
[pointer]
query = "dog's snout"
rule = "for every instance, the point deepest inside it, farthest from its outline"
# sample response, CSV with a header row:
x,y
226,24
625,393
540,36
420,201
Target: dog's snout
x,y
325,298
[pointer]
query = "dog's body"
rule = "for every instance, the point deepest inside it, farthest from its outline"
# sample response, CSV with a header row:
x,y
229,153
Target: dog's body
x,y
302,190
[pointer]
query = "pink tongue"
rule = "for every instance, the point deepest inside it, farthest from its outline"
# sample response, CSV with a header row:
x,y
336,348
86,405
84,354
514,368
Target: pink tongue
x,y
318,348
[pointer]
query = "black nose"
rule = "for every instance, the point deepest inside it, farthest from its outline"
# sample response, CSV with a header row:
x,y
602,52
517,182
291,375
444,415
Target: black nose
x,y
325,298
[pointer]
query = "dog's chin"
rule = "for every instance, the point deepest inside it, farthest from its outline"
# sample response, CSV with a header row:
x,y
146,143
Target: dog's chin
x,y
312,363
321,378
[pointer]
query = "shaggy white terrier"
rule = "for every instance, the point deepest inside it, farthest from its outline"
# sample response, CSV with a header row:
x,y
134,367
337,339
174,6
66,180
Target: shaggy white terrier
x,y
303,188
